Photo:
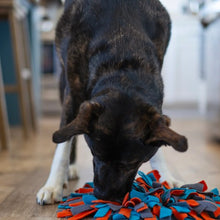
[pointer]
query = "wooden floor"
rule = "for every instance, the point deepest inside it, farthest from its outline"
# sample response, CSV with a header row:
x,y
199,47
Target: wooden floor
x,y
24,169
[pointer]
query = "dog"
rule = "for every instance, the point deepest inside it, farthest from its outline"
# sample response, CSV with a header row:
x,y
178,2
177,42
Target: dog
x,y
111,53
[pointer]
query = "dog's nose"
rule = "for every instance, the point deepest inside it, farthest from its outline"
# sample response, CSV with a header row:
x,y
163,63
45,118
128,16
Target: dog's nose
x,y
108,195
100,194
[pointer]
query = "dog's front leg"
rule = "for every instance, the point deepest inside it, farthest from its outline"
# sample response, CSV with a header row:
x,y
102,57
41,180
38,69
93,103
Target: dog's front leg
x,y
158,163
52,191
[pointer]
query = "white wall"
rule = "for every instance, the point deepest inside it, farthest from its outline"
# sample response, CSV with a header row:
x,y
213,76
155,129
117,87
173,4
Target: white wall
x,y
181,71
173,6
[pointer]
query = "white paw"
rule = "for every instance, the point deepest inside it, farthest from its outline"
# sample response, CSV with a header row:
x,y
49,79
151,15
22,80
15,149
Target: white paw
x,y
172,181
72,174
49,195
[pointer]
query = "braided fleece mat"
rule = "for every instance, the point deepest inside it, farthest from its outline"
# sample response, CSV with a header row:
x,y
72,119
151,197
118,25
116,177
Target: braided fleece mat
x,y
148,200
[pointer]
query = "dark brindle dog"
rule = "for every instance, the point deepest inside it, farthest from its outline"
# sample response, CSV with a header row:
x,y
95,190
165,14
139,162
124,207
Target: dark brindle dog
x,y
111,52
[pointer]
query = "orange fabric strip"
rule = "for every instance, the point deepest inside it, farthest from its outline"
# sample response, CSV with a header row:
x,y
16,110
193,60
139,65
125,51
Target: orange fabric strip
x,y
132,202
154,218
75,198
125,212
206,216
142,208
202,196
64,213
177,192
194,215
166,185
191,202
179,216
156,210
217,212
77,204
156,174
125,198
82,215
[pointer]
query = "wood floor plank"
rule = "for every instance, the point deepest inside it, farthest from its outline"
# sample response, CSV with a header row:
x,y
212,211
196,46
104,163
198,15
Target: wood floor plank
x,y
22,202
4,192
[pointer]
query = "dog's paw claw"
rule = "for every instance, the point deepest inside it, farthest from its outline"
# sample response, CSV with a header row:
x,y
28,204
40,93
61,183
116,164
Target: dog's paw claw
x,y
49,195
72,174
65,185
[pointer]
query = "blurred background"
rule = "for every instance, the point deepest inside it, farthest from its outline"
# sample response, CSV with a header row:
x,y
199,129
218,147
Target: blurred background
x,y
29,98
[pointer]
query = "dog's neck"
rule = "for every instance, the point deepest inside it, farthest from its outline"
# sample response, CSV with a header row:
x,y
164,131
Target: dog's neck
x,y
129,83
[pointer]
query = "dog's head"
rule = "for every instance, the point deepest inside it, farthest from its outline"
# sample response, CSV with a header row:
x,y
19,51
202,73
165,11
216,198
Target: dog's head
x,y
121,136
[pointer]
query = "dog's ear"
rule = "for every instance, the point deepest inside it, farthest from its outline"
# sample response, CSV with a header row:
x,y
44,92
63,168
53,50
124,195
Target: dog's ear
x,y
161,134
167,120
80,125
